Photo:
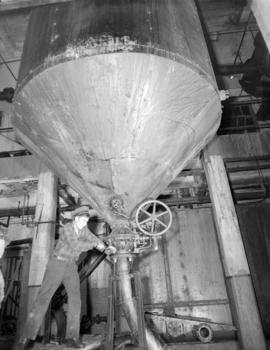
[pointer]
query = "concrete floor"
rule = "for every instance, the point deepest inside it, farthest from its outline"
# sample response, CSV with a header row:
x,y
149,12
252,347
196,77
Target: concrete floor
x,y
6,343
92,342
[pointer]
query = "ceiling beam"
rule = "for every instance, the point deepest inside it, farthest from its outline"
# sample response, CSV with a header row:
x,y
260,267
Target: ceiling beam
x,y
233,69
11,5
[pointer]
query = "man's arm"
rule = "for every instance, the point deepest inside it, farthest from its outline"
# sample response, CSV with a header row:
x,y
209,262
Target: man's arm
x,y
90,241
99,245
4,240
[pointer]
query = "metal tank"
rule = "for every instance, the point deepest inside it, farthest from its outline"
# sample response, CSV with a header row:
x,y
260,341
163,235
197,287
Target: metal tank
x,y
116,97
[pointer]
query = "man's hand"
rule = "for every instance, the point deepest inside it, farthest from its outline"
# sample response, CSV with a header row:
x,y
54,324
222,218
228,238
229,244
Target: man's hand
x,y
101,247
107,250
110,250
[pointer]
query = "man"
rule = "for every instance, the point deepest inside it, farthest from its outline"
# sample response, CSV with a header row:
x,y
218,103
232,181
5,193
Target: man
x,y
4,241
2,249
74,238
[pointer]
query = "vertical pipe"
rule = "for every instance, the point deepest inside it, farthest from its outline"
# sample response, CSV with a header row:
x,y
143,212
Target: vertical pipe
x,y
234,258
129,308
110,315
140,312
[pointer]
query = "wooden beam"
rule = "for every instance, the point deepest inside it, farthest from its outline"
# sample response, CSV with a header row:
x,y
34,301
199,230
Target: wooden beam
x,y
225,345
11,5
22,167
43,238
19,180
240,289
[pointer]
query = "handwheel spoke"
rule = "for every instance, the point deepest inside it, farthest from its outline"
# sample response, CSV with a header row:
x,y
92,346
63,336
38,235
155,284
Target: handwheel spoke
x,y
144,221
154,208
161,223
152,227
163,213
146,212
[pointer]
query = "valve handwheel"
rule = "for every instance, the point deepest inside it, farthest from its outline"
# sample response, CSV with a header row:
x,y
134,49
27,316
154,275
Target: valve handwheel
x,y
156,221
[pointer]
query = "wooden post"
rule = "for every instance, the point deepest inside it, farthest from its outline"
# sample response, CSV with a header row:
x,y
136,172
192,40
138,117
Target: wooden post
x,y
240,289
43,238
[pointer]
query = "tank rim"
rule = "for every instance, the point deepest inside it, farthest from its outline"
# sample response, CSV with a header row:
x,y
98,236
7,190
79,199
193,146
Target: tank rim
x,y
79,52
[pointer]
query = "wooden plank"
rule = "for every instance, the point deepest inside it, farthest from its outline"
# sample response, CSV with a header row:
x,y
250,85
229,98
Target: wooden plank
x,y
244,305
44,236
232,345
235,264
20,201
228,345
254,220
232,249
11,5
19,167
243,145
17,231
9,143
153,276
192,250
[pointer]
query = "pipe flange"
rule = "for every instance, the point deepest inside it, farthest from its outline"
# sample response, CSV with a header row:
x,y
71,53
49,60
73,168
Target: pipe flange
x,y
203,332
118,206
117,203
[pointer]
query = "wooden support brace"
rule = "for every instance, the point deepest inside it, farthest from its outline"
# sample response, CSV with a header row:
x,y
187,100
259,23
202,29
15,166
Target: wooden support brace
x,y
239,284
43,235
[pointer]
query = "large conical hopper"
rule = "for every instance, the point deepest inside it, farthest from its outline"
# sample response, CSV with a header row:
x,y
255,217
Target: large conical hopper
x,y
116,96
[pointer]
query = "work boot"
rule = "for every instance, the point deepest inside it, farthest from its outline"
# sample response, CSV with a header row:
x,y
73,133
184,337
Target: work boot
x,y
57,340
23,344
74,343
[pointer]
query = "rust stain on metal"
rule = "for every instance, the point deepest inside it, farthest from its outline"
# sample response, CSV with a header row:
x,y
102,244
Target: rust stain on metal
x,y
93,46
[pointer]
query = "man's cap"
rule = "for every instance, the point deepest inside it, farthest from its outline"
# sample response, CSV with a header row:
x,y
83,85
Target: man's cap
x,y
81,211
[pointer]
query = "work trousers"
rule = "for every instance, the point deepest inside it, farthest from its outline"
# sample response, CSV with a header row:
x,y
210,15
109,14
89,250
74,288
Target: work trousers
x,y
57,272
